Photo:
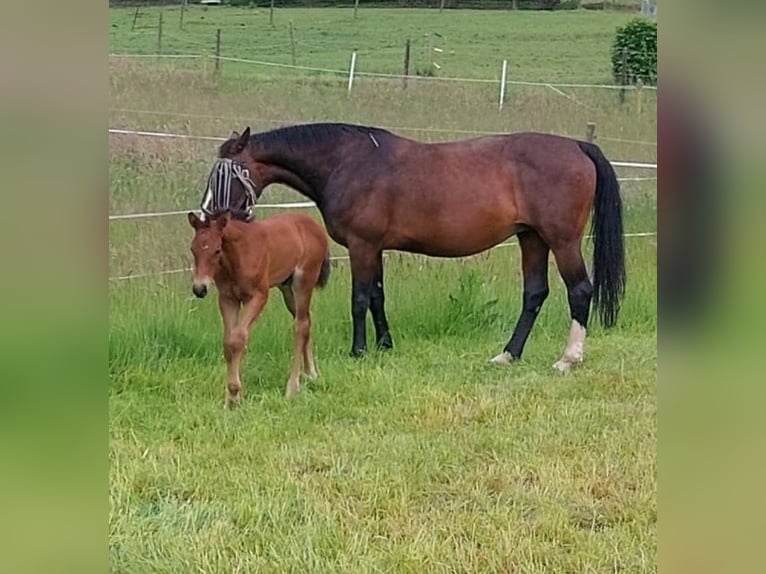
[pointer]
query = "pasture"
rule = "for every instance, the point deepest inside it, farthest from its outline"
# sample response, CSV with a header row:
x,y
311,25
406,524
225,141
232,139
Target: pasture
x,y
424,459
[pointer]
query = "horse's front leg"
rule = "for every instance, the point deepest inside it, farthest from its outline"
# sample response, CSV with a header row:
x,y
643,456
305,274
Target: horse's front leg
x,y
377,307
236,340
363,268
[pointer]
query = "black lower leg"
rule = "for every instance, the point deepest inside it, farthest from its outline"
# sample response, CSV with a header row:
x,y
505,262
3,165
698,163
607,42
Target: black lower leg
x,y
360,303
377,308
579,296
533,302
534,265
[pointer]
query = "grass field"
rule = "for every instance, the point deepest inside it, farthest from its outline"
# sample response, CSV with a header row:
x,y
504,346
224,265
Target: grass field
x,y
425,459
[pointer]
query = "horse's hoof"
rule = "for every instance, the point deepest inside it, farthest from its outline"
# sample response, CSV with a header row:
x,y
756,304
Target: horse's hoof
x,y
358,353
564,365
312,375
385,343
504,358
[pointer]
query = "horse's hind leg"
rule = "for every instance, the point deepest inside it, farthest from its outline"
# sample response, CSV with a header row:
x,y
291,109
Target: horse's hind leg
x,y
534,264
579,292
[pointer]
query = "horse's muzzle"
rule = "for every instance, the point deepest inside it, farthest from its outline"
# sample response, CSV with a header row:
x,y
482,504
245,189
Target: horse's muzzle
x,y
199,290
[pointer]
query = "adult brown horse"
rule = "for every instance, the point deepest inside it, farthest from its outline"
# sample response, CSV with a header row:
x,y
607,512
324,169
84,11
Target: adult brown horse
x,y
379,191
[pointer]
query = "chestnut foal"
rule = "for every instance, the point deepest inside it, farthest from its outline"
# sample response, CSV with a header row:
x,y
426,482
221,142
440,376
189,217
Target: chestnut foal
x,y
245,260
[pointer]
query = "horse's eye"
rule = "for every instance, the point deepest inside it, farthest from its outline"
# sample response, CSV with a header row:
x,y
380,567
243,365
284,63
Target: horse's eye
x,y
217,251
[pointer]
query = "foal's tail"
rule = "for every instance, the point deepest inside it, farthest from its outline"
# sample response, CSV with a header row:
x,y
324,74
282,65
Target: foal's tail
x,y
608,248
324,272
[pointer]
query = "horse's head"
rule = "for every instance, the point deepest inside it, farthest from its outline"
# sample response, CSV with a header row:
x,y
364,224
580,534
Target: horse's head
x,y
207,247
237,147
229,186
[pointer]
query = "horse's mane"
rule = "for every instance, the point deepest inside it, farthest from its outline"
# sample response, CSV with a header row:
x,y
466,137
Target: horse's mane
x,y
235,214
302,135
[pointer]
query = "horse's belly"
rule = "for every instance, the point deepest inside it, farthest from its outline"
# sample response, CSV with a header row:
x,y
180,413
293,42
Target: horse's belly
x,y
457,242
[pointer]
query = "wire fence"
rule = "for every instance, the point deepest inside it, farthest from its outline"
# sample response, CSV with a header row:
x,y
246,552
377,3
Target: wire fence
x,y
302,204
351,72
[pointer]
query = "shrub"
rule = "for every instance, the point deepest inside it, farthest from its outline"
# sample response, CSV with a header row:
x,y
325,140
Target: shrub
x,y
638,38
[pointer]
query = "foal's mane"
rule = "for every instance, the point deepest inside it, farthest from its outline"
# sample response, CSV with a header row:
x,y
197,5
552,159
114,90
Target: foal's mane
x,y
298,136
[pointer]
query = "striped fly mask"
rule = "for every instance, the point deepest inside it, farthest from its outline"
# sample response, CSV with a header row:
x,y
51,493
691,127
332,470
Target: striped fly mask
x,y
229,187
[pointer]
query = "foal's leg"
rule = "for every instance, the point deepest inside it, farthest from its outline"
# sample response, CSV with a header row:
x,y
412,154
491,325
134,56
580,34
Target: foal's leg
x,y
579,292
377,307
302,326
309,367
534,266
363,258
236,341
231,349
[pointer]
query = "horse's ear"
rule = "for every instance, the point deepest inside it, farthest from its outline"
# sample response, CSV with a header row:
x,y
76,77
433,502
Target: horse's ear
x,y
234,135
195,221
242,141
223,219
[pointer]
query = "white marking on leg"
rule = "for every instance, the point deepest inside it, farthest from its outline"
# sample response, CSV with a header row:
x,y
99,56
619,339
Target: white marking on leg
x,y
504,358
573,354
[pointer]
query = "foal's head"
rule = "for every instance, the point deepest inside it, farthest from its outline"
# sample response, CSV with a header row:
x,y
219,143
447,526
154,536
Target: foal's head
x,y
207,248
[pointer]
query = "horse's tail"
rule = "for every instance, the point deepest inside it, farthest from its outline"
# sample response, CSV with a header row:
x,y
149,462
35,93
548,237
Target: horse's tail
x,y
608,248
324,272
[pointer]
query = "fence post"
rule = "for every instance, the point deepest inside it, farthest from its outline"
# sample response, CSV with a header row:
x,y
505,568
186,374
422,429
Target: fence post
x,y
159,36
406,64
502,84
639,96
292,41
218,50
135,17
183,8
624,75
351,71
356,7
271,14
590,132
441,6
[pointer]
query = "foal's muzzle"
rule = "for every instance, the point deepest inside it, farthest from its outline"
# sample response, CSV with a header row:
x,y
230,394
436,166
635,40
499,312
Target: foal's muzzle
x,y
199,290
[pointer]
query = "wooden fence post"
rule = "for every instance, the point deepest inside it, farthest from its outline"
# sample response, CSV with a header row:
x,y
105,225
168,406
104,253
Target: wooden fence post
x,y
292,42
218,50
406,64
590,132
159,35
271,14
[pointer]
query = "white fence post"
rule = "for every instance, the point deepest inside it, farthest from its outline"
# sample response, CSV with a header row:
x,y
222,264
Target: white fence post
x,y
351,71
502,84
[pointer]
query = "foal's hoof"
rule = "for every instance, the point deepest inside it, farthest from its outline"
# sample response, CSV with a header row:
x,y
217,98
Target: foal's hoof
x,y
504,358
292,390
233,401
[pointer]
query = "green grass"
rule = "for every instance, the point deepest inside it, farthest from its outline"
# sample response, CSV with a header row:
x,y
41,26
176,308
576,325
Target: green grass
x,y
425,459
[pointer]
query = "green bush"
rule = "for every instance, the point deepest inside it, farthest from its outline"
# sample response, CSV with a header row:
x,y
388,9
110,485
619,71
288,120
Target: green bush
x,y
638,40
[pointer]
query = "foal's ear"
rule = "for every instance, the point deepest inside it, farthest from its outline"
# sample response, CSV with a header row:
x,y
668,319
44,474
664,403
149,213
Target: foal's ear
x,y
223,219
195,221
242,140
